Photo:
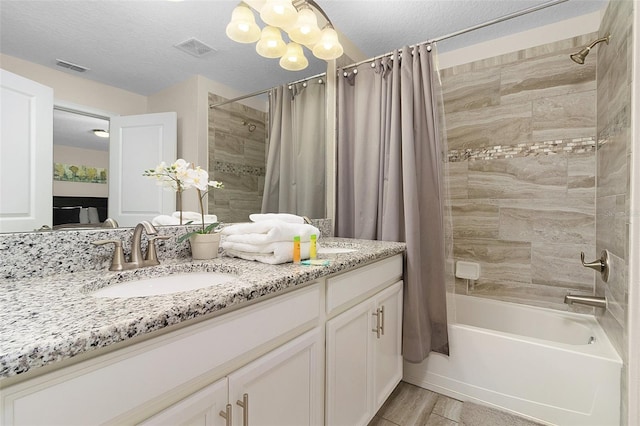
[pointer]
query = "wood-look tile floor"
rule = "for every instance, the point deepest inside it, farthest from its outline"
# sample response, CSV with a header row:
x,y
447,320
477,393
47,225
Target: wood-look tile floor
x,y
411,405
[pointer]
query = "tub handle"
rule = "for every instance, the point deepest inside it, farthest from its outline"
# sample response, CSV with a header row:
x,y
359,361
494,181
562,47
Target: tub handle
x,y
601,265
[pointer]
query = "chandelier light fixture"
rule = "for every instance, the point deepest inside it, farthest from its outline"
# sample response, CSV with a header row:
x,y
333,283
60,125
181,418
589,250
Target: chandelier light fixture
x,y
298,20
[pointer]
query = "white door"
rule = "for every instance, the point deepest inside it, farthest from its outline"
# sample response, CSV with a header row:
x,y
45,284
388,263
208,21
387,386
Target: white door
x,y
387,360
26,154
200,409
139,143
349,357
283,387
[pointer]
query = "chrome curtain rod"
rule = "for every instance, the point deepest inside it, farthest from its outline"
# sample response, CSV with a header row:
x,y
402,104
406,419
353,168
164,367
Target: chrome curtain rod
x,y
473,28
239,98
322,74
261,92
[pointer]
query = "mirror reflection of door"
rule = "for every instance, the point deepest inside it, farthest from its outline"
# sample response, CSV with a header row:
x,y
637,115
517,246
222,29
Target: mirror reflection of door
x,y
80,168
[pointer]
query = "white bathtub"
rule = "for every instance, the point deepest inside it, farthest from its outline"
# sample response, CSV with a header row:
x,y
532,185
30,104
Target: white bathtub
x,y
531,361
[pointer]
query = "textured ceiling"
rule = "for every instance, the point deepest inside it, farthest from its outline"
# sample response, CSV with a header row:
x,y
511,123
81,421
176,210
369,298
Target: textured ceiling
x,y
129,44
75,130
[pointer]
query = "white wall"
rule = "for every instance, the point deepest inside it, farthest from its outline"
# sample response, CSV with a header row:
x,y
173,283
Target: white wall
x,y
76,89
538,36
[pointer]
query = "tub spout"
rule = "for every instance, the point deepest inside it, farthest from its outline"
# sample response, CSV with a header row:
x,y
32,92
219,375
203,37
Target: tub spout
x,y
598,302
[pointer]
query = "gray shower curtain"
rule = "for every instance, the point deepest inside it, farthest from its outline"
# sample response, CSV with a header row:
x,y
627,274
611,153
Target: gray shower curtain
x,y
389,182
295,175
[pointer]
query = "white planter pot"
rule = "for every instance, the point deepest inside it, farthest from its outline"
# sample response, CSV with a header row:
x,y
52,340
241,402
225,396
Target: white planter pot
x,y
204,246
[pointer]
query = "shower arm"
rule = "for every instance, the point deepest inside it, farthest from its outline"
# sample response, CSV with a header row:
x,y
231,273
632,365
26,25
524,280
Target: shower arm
x,y
600,40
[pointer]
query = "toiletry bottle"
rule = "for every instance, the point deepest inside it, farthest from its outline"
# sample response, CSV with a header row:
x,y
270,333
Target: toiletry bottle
x,y
296,249
312,247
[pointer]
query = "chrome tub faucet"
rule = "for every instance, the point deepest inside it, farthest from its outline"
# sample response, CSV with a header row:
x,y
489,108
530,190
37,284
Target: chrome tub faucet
x,y
595,301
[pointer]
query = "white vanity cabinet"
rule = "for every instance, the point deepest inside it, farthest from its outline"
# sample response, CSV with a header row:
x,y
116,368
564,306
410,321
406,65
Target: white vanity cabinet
x,y
328,353
283,387
364,361
129,385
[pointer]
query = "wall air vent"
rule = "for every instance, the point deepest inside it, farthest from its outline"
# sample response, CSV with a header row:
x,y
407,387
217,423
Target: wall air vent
x,y
71,66
194,47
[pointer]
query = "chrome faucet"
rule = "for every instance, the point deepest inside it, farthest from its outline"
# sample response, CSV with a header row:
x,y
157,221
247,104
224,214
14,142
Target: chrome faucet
x,y
596,301
136,260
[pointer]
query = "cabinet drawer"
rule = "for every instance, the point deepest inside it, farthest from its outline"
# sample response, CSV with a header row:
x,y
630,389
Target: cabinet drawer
x,y
130,377
349,288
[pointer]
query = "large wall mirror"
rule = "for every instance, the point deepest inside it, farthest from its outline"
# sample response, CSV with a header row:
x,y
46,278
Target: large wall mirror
x,y
270,159
248,151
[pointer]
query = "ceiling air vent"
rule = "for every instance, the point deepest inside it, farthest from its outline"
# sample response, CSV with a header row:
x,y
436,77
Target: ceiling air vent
x,y
194,47
71,66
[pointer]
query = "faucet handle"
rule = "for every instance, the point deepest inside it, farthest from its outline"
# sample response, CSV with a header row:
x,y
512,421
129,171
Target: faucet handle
x,y
151,248
601,265
117,263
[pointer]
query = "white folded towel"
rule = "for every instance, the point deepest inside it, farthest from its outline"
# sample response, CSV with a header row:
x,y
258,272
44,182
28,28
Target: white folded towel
x,y
285,217
274,253
165,220
268,231
195,217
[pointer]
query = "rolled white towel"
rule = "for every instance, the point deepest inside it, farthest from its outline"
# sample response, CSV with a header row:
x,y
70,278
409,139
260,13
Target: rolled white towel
x,y
165,220
195,217
281,252
268,231
285,217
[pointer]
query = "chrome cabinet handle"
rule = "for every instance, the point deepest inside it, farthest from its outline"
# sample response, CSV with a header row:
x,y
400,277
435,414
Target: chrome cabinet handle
x,y
382,320
601,265
226,415
245,409
377,330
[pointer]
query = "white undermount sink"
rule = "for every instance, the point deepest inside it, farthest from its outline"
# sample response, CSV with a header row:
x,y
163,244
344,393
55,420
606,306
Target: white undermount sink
x,y
164,285
335,250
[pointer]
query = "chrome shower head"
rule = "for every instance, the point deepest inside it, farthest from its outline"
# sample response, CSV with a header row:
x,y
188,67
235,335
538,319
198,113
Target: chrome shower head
x,y
578,57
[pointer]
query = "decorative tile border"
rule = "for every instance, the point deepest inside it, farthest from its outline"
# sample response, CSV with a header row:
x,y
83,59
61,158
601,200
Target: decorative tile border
x,y
558,146
239,169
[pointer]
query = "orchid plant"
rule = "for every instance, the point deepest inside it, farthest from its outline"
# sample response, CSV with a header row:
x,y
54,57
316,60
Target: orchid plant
x,y
181,176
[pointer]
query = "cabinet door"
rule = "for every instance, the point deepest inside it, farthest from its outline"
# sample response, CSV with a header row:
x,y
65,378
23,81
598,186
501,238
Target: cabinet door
x,y
200,409
283,387
387,360
349,382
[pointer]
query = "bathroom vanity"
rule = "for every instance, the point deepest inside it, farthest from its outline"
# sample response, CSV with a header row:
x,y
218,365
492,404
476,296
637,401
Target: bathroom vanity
x,y
257,349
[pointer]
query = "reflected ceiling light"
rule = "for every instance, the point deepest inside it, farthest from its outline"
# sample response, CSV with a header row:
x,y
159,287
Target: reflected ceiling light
x,y
270,44
299,20
243,27
101,133
294,59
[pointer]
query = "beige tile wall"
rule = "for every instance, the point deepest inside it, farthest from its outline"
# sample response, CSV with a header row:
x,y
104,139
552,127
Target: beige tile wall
x,y
521,134
613,167
237,157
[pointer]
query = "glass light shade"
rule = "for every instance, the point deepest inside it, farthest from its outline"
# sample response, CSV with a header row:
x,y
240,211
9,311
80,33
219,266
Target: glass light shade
x,y
270,44
101,133
293,59
278,13
243,27
305,30
328,47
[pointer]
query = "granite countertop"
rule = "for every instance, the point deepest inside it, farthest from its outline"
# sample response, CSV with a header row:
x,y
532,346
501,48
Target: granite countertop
x,y
55,318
